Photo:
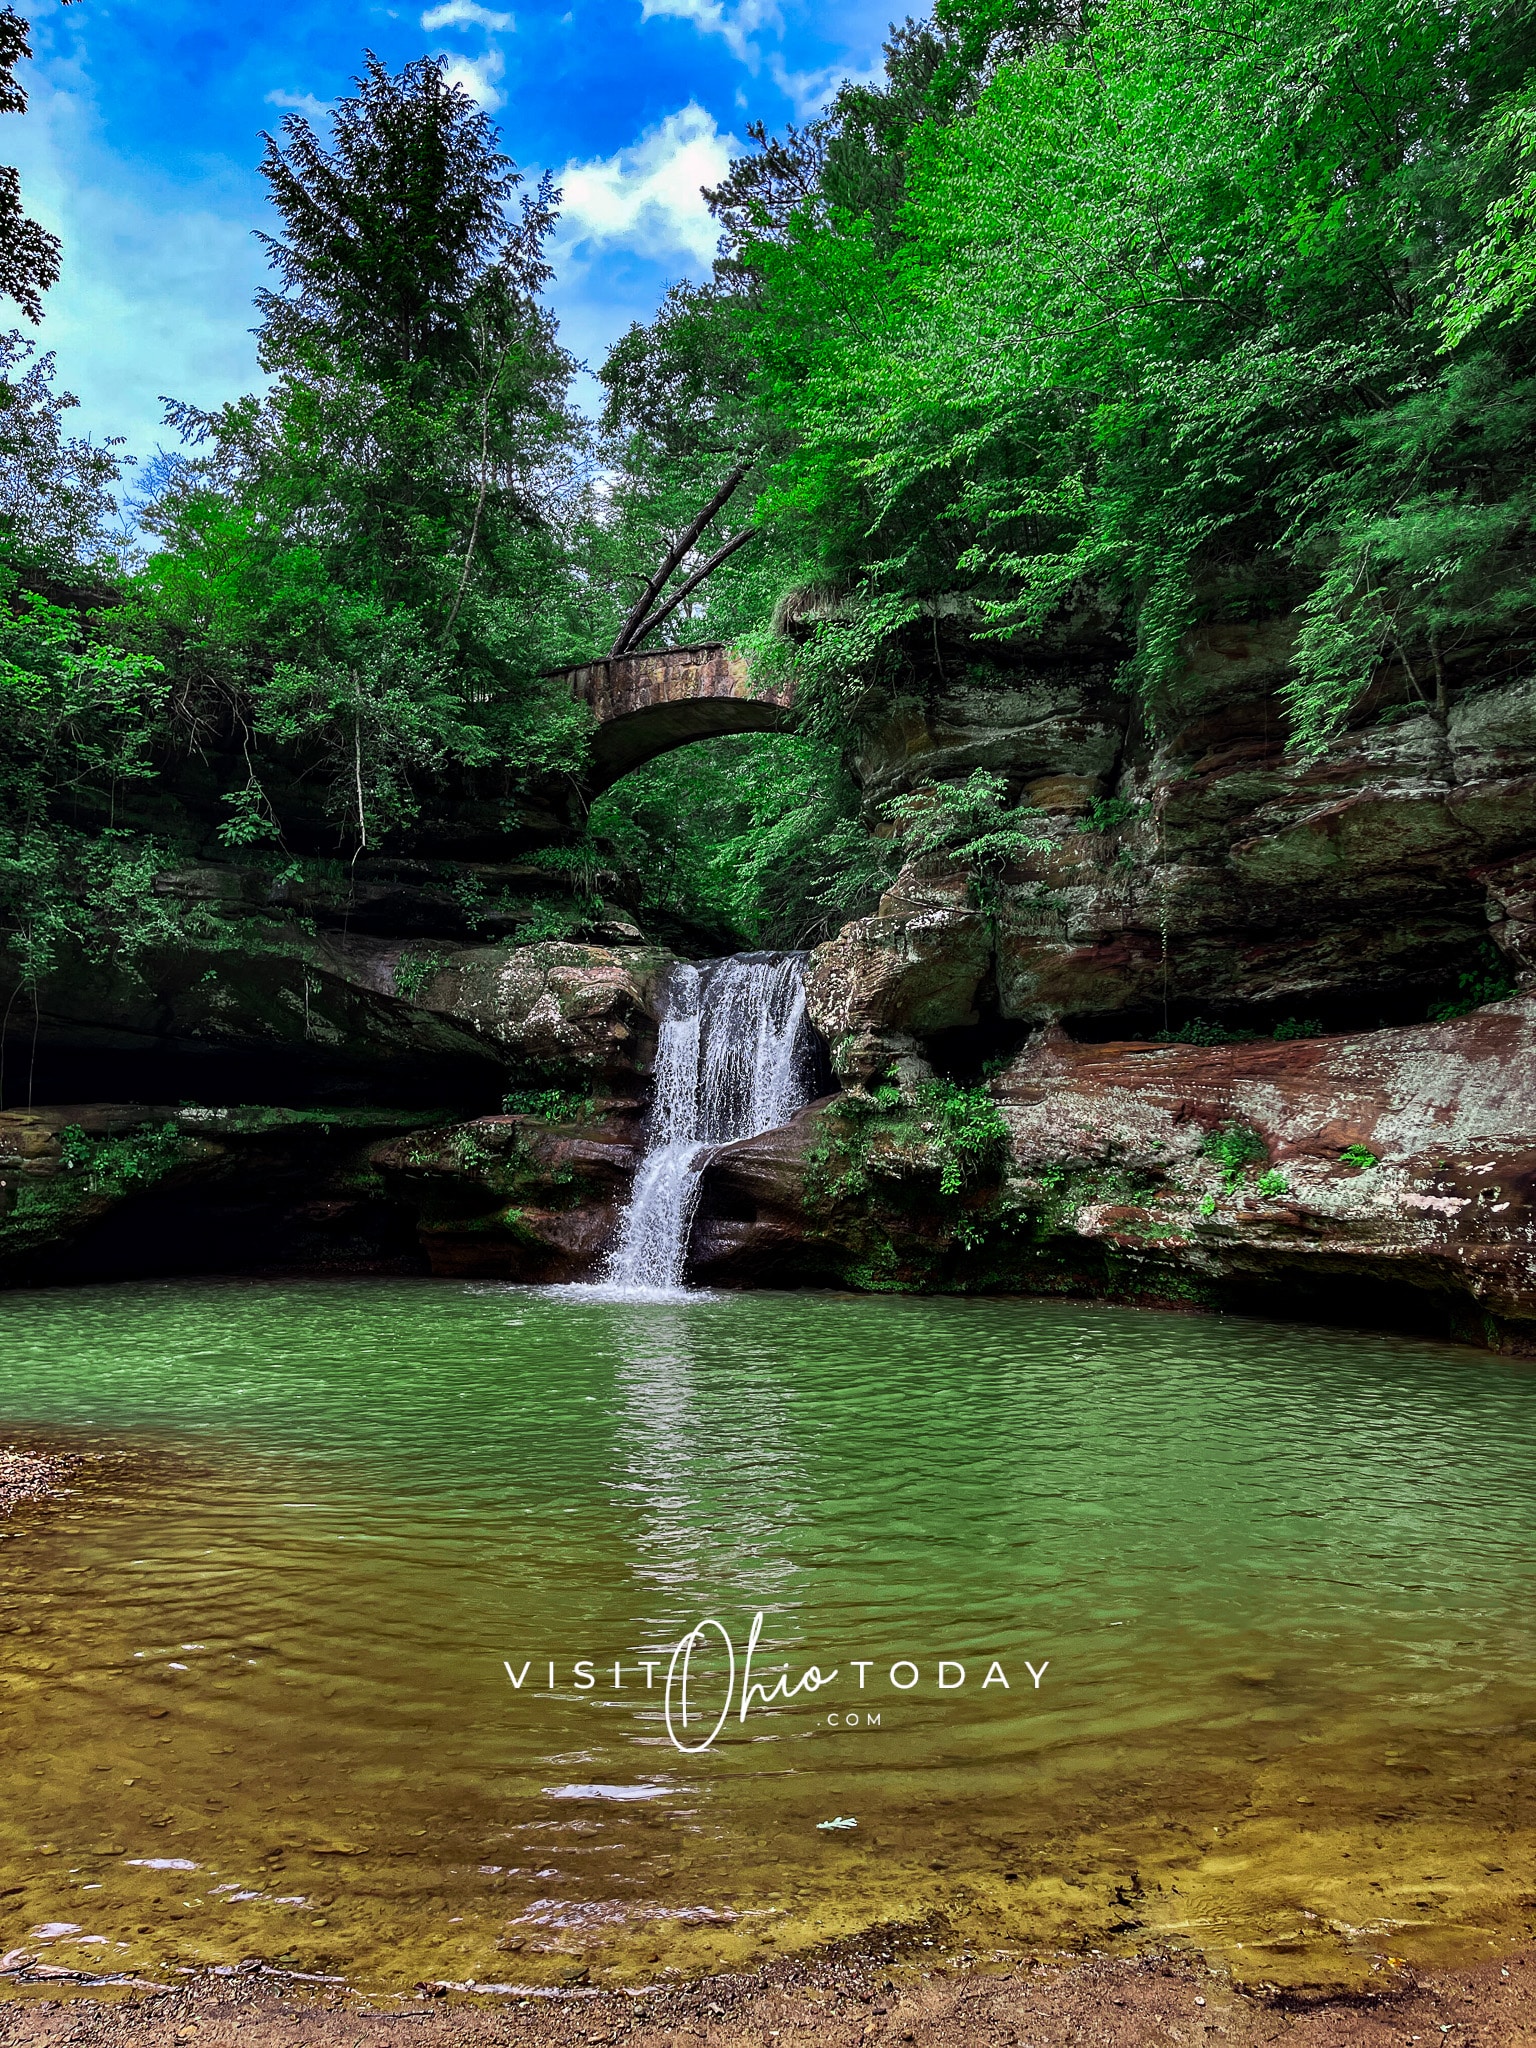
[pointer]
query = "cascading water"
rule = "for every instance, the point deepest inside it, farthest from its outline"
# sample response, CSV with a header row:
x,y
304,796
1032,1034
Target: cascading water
x,y
734,1059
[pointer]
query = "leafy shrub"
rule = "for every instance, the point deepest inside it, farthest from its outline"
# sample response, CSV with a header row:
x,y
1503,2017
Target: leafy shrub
x,y
554,1105
964,1126
1488,981
972,820
1105,813
1357,1156
1273,1184
413,971
1299,1027
1201,1031
972,1131
1235,1147
550,921
136,1156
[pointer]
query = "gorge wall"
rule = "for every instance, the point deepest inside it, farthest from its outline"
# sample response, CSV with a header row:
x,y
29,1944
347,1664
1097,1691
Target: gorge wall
x,y
1246,1030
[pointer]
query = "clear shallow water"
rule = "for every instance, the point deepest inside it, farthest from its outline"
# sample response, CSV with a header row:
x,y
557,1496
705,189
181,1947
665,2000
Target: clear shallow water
x,y
1280,1581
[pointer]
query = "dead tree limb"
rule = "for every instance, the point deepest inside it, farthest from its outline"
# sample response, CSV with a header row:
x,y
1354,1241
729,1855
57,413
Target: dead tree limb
x,y
674,555
686,589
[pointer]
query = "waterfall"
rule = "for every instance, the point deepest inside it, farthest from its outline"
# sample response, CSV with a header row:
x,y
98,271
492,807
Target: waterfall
x,y
734,1058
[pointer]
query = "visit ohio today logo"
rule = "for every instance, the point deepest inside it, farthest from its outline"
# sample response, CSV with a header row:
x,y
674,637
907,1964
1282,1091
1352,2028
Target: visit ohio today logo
x,y
705,1663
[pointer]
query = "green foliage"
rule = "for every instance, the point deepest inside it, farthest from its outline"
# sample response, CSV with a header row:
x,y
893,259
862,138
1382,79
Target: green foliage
x,y
1190,309
1299,1027
93,892
416,967
971,1131
751,840
1235,1147
1496,273
77,715
366,572
971,820
1108,813
132,1159
1273,1184
394,231
1203,1031
472,1151
368,723
961,1130
1152,309
29,255
1487,981
553,1105
55,488
1358,1156
545,920
78,721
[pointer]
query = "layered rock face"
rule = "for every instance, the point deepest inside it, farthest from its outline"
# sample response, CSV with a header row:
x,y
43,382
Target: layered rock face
x,y
102,1191
1385,1177
253,1007
379,984
558,1036
526,1198
1339,1159
1205,870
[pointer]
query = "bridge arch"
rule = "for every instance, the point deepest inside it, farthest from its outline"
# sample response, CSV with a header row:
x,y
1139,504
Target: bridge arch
x,y
648,703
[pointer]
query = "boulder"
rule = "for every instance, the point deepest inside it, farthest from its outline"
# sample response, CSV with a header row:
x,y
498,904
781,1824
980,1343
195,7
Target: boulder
x,y
889,980
588,1011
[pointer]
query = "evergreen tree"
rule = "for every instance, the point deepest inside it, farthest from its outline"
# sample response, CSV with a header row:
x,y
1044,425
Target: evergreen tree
x,y
367,566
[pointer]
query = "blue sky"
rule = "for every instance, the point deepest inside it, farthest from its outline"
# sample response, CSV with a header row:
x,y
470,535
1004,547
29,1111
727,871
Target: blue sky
x,y
140,146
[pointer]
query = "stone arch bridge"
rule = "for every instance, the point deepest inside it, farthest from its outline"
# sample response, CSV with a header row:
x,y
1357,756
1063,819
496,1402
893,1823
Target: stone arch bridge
x,y
648,703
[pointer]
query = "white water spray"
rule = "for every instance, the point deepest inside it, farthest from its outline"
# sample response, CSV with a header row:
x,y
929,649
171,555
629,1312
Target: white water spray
x,y
733,1059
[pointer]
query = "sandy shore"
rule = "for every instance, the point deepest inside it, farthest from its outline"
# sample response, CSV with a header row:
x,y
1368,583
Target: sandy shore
x,y
843,2005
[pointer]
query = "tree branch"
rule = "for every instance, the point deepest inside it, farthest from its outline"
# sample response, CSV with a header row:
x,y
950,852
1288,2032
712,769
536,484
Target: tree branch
x,y
685,589
674,555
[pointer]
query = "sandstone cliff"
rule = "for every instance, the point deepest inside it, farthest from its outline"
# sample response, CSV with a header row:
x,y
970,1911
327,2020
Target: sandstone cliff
x,y
1243,1028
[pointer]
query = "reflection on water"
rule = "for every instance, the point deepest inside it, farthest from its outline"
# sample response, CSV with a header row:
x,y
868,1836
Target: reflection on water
x,y
716,1504
254,1695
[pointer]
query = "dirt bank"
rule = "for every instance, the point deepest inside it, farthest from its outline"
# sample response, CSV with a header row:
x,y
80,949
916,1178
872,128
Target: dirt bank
x,y
840,2004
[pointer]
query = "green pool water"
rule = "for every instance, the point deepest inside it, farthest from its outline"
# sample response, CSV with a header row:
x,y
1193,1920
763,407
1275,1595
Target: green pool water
x,y
1276,1582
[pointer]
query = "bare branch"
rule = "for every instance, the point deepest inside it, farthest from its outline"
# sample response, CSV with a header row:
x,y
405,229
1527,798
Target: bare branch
x,y
686,589
674,555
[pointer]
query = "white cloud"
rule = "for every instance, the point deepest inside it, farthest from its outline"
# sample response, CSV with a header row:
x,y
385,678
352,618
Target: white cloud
x,y
157,286
477,75
303,103
809,91
466,14
737,21
647,198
